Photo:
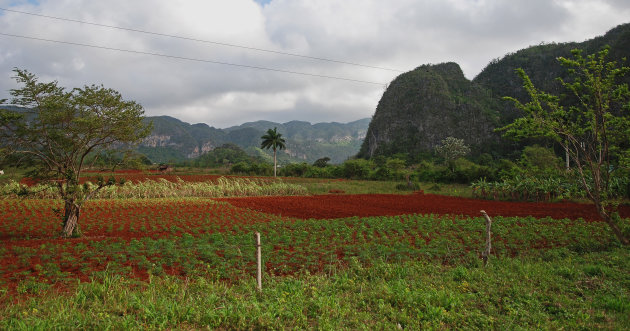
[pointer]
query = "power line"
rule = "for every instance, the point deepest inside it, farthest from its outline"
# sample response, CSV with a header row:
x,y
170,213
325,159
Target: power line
x,y
202,40
189,59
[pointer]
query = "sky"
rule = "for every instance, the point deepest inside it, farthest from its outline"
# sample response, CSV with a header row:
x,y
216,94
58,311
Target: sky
x,y
307,60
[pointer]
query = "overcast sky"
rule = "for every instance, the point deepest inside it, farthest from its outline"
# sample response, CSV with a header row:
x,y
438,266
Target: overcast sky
x,y
393,34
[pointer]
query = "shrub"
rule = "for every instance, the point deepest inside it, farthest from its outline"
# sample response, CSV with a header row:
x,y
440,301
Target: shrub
x,y
295,169
356,169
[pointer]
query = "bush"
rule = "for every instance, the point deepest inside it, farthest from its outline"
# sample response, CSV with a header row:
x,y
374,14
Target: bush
x,y
295,169
356,169
537,159
254,168
463,171
321,163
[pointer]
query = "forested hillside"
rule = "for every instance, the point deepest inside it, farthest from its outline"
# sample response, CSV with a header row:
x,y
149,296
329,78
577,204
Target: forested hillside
x,y
422,107
540,63
432,102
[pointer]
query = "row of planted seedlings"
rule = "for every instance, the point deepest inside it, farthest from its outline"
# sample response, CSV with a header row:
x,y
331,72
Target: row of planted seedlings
x,y
220,245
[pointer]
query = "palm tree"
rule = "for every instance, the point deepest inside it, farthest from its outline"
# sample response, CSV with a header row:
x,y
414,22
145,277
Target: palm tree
x,y
273,140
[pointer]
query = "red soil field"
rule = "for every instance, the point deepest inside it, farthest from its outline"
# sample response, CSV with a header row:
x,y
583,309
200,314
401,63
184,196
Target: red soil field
x,y
337,206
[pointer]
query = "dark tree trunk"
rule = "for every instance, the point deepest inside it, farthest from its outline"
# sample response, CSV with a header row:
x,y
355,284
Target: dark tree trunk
x,y
71,220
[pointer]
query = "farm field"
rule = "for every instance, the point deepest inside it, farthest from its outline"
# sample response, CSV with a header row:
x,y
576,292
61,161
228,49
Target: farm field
x,y
330,261
313,185
336,206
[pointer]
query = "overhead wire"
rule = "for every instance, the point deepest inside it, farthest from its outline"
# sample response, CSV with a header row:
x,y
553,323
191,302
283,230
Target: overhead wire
x,y
201,40
189,58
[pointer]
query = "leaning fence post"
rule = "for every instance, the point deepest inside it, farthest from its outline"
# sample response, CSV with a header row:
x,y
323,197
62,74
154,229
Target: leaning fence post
x,y
258,262
486,253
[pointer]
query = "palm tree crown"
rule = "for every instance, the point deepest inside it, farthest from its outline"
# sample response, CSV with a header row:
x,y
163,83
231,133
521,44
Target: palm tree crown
x,y
272,139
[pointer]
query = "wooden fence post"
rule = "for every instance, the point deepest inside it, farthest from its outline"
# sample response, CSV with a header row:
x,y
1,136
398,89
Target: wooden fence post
x,y
486,253
258,262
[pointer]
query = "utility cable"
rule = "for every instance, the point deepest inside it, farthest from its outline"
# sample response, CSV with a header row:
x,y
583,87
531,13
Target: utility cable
x,y
190,59
201,40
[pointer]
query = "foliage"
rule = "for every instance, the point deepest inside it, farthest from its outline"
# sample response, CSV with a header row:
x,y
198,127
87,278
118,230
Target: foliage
x,y
537,159
357,168
63,129
252,168
222,156
461,171
452,148
113,159
295,169
592,123
322,162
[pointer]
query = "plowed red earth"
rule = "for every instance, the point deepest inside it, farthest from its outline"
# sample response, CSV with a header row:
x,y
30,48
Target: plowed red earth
x,y
337,206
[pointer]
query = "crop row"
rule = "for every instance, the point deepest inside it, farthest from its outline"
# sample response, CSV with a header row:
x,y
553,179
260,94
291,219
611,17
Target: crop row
x,y
139,238
164,188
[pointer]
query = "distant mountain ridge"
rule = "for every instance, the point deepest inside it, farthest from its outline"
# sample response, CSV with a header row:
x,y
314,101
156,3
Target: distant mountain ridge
x,y
175,140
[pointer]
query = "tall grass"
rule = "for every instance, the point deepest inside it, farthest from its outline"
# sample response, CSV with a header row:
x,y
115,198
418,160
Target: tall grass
x,y
161,188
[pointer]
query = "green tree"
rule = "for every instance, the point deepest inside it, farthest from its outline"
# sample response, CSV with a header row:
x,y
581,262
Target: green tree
x,y
272,139
451,149
356,168
61,130
592,123
536,159
322,162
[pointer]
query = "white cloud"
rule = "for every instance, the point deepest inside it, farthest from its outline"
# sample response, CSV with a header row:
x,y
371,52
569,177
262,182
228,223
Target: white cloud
x,y
399,34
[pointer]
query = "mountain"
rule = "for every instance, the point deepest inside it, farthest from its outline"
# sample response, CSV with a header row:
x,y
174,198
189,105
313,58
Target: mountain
x,y
174,140
423,106
541,65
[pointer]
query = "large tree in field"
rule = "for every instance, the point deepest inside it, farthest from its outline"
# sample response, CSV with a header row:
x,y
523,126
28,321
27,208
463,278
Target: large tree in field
x,y
591,122
59,130
272,139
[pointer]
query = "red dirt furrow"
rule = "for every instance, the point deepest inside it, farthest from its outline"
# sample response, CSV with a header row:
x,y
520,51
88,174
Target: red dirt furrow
x,y
337,206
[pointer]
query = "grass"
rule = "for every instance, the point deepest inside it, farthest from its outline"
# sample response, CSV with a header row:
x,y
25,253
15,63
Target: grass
x,y
325,186
564,289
